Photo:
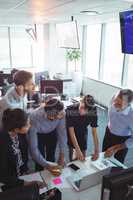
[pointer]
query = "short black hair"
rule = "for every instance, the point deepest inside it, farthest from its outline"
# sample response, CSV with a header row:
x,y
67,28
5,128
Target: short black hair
x,y
53,107
14,118
89,101
127,94
22,77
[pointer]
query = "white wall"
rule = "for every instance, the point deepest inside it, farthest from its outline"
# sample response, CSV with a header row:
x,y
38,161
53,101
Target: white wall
x,y
102,92
55,60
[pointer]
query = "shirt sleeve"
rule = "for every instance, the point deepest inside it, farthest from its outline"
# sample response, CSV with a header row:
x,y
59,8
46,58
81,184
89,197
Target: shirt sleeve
x,y
129,142
62,136
69,118
93,117
33,145
5,176
12,102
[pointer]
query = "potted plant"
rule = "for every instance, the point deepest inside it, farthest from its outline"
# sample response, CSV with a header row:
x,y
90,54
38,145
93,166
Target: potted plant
x,y
73,55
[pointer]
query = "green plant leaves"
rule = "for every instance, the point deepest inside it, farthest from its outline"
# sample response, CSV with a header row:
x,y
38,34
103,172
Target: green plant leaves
x,y
73,54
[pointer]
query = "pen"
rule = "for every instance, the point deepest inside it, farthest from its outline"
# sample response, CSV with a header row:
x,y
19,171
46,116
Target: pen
x,y
115,163
44,181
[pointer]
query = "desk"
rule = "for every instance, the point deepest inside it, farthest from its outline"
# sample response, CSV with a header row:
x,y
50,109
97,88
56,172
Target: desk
x,y
68,193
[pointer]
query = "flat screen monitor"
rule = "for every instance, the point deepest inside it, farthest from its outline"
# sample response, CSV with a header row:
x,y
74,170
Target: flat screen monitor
x,y
41,75
51,86
118,185
67,35
5,78
126,24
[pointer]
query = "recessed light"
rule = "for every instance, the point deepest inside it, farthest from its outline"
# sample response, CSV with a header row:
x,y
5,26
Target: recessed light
x,y
89,12
128,0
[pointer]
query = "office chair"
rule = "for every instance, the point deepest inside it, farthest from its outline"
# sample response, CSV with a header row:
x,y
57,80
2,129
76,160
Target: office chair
x,y
21,193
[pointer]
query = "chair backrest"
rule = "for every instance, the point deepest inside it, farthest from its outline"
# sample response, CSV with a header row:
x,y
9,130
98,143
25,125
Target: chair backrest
x,y
21,193
51,86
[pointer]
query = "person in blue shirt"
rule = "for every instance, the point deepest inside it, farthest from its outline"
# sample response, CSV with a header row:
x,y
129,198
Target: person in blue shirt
x,y
119,132
47,129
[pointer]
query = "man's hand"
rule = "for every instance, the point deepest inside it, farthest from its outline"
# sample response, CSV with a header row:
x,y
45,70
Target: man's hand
x,y
95,156
113,150
55,170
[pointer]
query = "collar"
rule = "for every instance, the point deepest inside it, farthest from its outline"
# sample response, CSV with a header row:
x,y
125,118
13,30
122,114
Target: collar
x,y
15,94
124,111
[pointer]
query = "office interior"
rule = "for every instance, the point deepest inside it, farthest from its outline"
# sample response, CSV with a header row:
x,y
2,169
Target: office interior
x,y
29,41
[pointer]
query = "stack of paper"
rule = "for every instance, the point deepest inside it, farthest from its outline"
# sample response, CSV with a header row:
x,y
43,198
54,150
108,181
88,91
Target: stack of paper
x,y
34,177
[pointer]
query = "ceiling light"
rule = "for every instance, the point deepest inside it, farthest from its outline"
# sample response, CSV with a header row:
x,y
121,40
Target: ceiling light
x,y
89,12
129,0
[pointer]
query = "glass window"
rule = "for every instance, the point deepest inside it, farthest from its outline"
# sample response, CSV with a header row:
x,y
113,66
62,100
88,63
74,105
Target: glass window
x,y
93,50
21,48
4,48
75,65
113,58
130,72
38,49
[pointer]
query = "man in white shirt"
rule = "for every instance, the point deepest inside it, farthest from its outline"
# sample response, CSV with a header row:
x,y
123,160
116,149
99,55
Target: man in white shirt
x,y
119,132
16,96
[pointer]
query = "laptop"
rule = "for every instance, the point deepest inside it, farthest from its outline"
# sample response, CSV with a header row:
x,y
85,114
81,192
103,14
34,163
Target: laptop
x,y
87,181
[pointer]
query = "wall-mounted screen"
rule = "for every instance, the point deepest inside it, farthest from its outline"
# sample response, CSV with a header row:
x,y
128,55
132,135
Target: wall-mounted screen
x,y
67,35
126,24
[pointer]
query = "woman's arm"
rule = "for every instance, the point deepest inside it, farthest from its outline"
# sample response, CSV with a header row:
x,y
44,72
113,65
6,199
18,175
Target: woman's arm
x,y
96,144
75,144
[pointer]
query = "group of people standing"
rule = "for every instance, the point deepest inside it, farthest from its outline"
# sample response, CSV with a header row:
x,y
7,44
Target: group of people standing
x,y
39,131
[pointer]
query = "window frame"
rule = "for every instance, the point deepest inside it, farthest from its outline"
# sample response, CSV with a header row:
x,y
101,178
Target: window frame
x,y
124,74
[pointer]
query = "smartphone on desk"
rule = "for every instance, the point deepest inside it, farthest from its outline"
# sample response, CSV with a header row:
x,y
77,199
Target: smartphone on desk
x,y
74,167
52,194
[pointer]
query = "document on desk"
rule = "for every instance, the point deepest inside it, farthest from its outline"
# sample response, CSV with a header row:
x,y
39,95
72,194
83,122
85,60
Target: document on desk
x,y
102,164
34,177
60,181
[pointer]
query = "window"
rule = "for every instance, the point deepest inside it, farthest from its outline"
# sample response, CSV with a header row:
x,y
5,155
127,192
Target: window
x,y
130,72
93,50
20,48
75,65
113,58
4,48
26,53
38,49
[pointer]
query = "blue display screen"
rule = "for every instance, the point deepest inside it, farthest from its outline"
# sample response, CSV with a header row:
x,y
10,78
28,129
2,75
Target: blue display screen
x,y
126,23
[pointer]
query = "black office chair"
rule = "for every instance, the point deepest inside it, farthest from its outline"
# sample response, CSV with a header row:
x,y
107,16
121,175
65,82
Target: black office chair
x,y
21,193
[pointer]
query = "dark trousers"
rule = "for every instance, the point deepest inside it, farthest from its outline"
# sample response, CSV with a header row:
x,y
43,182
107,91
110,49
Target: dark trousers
x,y
110,140
47,147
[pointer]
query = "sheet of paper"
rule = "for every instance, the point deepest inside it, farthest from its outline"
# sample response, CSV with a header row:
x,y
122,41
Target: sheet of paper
x,y
34,177
49,179
102,164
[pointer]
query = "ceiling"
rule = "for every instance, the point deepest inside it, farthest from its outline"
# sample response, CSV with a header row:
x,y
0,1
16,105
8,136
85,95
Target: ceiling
x,y
45,11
